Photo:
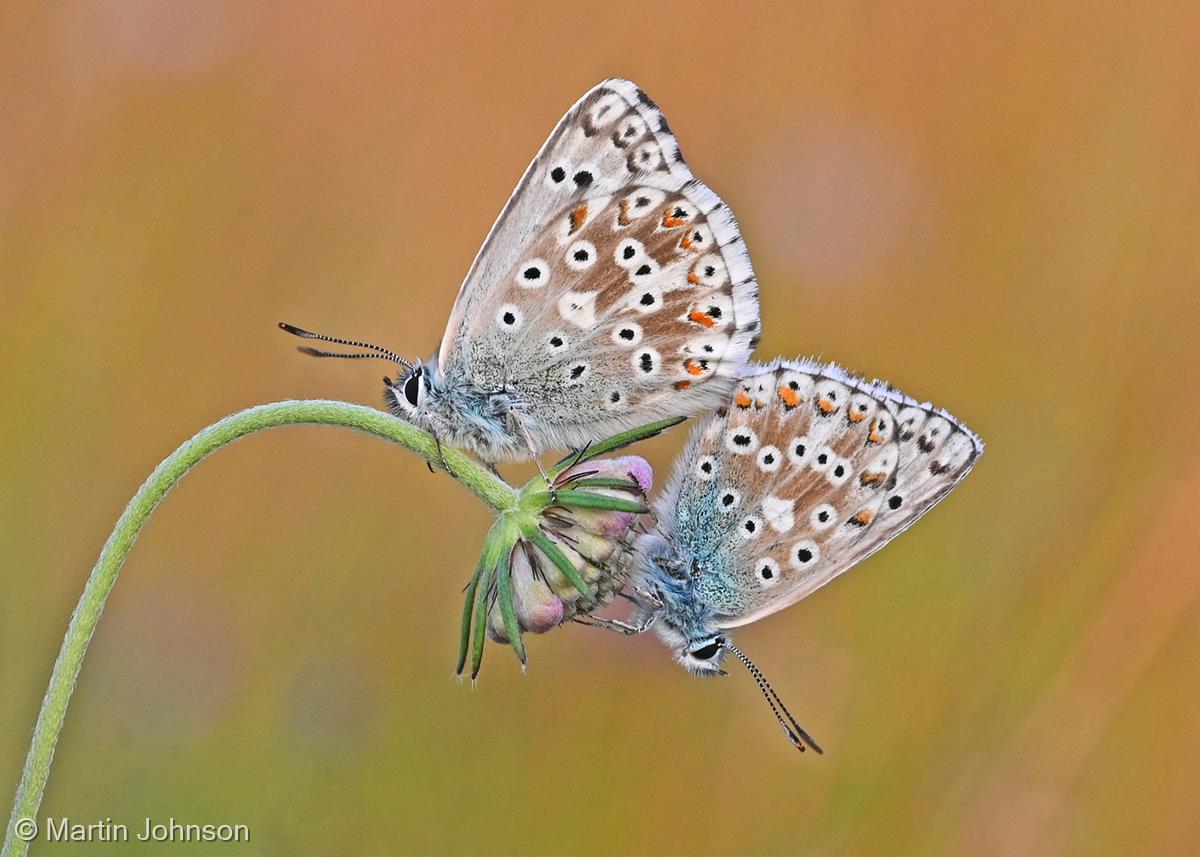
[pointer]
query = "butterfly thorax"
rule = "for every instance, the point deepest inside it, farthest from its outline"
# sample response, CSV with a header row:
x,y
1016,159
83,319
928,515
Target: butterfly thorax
x,y
683,619
458,412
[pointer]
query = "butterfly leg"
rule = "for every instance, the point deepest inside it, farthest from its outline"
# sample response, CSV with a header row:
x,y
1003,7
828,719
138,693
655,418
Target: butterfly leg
x,y
617,625
441,457
641,597
534,455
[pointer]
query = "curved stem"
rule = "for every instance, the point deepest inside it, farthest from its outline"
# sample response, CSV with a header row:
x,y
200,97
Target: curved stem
x,y
476,478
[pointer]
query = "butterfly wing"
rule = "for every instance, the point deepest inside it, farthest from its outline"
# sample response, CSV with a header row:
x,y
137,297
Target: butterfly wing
x,y
613,282
808,471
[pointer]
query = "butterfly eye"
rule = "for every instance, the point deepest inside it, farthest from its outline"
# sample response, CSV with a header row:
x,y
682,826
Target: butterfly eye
x,y
413,389
705,652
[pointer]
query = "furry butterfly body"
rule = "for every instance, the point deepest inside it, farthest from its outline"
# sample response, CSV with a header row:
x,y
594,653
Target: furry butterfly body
x,y
614,287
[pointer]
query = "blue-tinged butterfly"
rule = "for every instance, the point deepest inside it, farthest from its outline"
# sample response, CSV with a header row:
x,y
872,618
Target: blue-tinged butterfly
x,y
613,289
806,471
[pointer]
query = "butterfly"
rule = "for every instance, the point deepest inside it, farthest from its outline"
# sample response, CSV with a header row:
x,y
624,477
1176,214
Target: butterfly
x,y
613,288
805,472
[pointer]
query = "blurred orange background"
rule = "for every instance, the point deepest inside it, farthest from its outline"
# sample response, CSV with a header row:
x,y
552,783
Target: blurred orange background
x,y
995,206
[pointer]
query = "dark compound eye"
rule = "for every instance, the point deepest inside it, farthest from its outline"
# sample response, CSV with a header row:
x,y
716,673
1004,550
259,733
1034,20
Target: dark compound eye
x,y
705,652
412,389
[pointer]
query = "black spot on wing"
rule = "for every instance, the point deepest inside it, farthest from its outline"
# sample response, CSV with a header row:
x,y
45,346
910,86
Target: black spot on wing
x,y
647,100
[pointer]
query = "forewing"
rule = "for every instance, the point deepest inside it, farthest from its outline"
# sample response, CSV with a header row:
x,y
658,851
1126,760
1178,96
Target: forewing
x,y
613,280
808,471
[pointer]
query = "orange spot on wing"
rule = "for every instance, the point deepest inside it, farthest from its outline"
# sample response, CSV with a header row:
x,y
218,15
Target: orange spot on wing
x,y
578,216
856,416
790,397
686,241
682,385
875,436
742,400
670,221
862,518
693,367
871,479
693,278
623,217
701,317
826,406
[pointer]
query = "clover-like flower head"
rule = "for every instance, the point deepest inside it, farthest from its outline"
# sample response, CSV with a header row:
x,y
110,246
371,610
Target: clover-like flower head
x,y
564,551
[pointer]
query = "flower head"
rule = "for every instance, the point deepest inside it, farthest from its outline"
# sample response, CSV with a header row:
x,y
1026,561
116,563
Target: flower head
x,y
562,552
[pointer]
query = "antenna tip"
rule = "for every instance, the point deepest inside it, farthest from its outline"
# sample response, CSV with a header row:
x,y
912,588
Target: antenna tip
x,y
310,351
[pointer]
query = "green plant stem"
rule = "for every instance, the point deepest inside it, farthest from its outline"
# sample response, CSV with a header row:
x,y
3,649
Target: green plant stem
x,y
485,485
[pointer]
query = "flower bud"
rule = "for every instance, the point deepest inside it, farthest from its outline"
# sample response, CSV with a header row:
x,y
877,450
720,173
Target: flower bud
x,y
538,609
563,551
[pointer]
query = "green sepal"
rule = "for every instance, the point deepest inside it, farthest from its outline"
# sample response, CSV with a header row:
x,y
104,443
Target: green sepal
x,y
591,500
617,441
468,606
556,556
606,482
507,611
499,540
481,611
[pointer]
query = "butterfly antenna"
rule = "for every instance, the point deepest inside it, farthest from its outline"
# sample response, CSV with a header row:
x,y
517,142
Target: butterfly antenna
x,y
379,351
791,728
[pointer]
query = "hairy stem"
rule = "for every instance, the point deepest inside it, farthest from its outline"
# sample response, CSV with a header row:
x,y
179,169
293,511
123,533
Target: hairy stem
x,y
486,486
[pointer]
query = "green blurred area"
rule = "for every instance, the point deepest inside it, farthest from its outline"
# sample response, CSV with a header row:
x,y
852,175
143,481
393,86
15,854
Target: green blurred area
x,y
994,206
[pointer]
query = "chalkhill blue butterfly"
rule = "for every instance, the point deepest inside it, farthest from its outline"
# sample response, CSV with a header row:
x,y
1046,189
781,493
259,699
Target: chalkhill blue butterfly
x,y
806,471
614,288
